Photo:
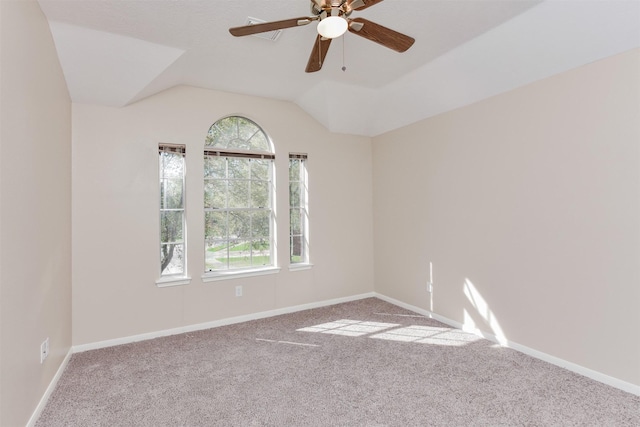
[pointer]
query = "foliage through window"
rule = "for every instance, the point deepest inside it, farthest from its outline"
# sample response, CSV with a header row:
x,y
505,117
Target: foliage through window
x,y
172,218
298,210
238,196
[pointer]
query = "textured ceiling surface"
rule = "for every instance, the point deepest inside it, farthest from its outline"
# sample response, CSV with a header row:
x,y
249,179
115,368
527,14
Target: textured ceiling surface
x,y
115,52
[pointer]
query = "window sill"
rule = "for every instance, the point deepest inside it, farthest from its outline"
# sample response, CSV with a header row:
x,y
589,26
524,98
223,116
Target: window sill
x,y
237,274
299,267
166,282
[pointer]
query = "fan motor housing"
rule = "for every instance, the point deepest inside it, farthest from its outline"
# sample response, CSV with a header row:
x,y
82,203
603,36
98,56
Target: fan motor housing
x,y
343,9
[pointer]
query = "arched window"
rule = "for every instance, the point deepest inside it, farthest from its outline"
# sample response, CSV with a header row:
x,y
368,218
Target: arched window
x,y
236,133
238,197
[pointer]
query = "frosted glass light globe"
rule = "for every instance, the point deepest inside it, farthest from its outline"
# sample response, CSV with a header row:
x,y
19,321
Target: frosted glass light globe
x,y
332,27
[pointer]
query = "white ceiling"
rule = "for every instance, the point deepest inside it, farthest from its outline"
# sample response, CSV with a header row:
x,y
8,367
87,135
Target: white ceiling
x,y
115,52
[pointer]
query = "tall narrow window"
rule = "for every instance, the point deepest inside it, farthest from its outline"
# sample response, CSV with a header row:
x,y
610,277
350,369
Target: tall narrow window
x,y
298,210
238,197
172,218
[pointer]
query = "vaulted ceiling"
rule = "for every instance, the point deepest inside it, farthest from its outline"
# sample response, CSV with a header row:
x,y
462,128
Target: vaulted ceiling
x,y
116,52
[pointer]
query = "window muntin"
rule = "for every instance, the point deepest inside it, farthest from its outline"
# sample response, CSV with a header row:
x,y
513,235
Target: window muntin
x,y
298,209
238,196
172,212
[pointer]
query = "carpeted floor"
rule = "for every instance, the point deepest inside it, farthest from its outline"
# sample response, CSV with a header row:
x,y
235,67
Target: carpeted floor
x,y
362,363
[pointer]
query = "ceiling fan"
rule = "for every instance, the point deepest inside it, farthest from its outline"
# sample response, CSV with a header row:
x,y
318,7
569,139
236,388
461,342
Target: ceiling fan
x,y
333,21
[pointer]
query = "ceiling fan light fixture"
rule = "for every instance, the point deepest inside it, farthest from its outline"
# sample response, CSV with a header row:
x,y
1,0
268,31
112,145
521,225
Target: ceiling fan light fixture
x,y
333,19
332,27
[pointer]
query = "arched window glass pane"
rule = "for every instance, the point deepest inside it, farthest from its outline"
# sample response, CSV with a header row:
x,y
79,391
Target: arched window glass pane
x,y
237,133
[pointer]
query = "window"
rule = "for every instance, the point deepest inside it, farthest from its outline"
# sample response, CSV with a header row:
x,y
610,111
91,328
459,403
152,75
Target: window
x,y
172,218
298,210
238,197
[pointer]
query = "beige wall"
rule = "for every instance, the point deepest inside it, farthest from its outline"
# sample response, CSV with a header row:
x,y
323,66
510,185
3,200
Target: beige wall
x,y
35,214
531,201
115,214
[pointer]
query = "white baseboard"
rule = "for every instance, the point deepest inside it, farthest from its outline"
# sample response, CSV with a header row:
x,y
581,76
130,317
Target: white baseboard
x,y
49,390
589,373
217,323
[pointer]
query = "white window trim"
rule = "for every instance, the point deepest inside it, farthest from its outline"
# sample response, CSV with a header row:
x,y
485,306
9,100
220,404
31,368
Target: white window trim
x,y
168,281
300,266
178,279
213,150
306,264
237,274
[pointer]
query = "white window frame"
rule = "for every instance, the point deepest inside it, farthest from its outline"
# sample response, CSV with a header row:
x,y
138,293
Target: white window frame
x,y
302,207
245,271
180,278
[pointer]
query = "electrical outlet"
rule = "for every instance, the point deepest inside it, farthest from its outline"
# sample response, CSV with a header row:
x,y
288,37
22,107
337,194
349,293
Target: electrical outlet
x,y
239,291
44,350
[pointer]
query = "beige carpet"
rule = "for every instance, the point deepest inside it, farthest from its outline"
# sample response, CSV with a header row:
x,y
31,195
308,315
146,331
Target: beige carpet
x,y
363,363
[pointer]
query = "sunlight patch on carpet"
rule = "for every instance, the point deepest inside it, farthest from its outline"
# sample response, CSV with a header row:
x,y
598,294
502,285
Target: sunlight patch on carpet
x,y
395,332
428,335
351,328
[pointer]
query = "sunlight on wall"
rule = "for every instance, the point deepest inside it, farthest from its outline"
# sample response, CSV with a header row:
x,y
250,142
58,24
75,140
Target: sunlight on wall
x,y
481,308
430,286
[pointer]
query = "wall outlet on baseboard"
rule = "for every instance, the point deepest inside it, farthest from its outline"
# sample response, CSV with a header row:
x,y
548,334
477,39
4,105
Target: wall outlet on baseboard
x,y
239,291
44,350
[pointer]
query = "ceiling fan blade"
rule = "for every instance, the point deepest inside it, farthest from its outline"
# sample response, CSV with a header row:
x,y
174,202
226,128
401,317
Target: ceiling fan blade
x,y
381,35
318,53
362,4
270,26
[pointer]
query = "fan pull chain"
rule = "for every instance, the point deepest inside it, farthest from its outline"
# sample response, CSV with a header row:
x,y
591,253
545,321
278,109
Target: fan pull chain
x,y
344,68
